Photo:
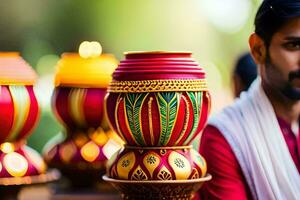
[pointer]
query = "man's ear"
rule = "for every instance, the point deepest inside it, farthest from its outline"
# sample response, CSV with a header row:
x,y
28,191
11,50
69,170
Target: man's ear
x,y
258,48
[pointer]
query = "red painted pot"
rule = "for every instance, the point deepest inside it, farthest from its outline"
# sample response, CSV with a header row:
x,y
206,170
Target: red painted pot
x,y
78,103
81,84
19,110
158,99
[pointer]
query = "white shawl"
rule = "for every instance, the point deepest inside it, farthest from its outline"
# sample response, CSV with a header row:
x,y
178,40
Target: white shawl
x,y
252,130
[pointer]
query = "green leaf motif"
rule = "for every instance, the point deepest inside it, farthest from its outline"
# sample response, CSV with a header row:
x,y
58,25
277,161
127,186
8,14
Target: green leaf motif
x,y
133,103
168,103
196,99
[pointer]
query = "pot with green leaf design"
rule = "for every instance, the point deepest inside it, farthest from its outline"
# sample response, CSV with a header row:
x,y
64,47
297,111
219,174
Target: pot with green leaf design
x,y
157,102
158,99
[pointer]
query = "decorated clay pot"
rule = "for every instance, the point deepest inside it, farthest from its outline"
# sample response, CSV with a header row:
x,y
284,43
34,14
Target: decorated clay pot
x,y
158,99
19,112
18,104
78,103
81,85
157,163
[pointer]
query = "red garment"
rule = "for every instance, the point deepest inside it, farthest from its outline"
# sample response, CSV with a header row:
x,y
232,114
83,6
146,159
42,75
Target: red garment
x,y
228,180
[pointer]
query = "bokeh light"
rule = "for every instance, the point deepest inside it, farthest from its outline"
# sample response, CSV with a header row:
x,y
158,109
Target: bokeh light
x,y
227,15
7,147
90,49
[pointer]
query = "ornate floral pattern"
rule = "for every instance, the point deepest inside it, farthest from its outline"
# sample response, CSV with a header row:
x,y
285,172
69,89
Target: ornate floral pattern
x,y
150,164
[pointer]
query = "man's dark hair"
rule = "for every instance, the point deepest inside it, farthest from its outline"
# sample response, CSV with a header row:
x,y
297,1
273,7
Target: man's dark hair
x,y
246,69
272,15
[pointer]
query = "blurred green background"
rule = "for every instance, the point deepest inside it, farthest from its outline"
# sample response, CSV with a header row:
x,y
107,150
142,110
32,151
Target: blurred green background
x,y
216,31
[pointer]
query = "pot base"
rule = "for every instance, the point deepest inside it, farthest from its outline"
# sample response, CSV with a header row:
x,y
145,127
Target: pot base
x,y
167,190
81,159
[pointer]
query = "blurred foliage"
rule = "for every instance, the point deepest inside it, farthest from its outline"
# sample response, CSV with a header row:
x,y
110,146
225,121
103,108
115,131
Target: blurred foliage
x,y
46,129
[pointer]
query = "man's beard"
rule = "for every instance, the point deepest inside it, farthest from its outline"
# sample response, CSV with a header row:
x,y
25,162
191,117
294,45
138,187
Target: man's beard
x,y
288,90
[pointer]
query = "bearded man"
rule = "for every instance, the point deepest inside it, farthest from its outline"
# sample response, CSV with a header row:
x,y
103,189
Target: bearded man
x,y
252,146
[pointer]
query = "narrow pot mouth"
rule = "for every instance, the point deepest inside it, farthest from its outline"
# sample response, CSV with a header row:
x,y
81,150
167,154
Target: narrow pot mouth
x,y
158,65
155,52
136,56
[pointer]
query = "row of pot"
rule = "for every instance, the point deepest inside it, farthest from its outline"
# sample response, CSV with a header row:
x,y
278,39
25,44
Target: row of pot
x,y
157,103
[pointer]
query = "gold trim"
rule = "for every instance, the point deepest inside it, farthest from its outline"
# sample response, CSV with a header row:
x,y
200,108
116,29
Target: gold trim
x,y
207,177
154,148
158,86
209,102
150,120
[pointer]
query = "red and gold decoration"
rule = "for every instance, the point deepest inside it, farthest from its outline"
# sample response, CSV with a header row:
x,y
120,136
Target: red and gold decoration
x,y
81,82
152,163
19,164
158,102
